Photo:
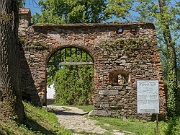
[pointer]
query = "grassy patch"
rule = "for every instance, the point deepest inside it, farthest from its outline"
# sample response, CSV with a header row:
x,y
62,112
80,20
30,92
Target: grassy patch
x,y
86,108
139,127
38,122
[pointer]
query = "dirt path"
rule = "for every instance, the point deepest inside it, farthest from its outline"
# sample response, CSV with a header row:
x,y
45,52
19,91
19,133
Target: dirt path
x,y
73,118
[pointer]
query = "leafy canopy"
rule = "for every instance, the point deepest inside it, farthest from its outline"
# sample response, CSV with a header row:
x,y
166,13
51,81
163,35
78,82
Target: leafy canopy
x,y
71,11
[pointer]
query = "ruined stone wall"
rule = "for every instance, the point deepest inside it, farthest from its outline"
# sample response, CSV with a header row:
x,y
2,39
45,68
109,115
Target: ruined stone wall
x,y
122,54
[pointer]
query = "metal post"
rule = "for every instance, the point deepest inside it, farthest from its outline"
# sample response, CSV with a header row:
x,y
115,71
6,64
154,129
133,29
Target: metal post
x,y
156,129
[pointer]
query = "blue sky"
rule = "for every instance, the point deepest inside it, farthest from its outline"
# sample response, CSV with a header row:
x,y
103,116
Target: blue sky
x,y
32,4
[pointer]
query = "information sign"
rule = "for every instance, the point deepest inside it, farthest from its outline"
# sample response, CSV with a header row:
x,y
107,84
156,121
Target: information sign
x,y
147,96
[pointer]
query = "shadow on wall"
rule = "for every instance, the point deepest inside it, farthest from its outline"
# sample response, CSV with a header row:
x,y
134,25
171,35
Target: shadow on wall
x,y
29,91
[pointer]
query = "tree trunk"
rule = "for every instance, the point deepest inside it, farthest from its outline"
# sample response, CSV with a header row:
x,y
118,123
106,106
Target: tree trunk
x,y
10,91
172,69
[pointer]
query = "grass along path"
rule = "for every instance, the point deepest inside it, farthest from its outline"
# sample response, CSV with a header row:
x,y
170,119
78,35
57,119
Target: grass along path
x,y
131,125
41,122
38,122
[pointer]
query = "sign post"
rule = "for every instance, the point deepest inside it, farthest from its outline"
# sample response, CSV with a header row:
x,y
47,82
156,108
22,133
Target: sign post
x,y
148,98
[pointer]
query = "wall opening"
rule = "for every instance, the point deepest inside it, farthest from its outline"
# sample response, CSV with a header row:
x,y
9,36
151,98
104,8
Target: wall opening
x,y
118,77
71,71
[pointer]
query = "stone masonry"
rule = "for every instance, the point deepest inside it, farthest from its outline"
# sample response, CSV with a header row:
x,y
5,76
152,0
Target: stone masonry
x,y
122,54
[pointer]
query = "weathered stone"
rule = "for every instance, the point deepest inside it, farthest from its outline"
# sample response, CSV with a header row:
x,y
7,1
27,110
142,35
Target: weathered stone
x,y
120,103
104,105
108,92
114,107
114,55
118,87
134,103
128,88
122,93
99,113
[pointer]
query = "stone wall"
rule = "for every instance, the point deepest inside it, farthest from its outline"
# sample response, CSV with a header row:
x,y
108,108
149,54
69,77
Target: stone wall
x,y
123,53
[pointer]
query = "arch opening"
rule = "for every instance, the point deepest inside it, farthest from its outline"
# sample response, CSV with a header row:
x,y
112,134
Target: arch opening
x,y
71,73
70,56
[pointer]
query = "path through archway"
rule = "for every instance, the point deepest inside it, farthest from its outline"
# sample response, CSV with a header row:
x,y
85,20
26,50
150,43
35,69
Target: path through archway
x,y
70,70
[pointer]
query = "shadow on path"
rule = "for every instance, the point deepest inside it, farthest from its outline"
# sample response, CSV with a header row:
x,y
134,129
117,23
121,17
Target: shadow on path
x,y
64,112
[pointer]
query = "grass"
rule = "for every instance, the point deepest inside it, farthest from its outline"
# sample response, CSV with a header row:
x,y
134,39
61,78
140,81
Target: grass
x,y
38,122
139,127
86,108
41,122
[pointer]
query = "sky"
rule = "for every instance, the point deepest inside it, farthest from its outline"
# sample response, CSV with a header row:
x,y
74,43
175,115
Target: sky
x,y
32,4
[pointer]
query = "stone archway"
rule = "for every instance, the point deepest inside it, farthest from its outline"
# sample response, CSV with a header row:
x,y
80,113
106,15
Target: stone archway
x,y
76,59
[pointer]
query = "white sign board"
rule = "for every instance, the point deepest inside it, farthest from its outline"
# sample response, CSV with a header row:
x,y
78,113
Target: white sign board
x,y
147,96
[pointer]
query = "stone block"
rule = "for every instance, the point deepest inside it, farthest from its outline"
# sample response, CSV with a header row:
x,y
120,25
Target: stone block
x,y
104,105
118,87
108,92
122,93
99,113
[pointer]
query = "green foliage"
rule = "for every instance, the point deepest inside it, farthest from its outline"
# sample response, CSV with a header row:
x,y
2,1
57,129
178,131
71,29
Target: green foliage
x,y
86,108
21,3
73,83
120,9
71,11
174,126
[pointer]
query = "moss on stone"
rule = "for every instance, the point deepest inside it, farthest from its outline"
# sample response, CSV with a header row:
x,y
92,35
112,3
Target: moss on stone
x,y
38,45
127,44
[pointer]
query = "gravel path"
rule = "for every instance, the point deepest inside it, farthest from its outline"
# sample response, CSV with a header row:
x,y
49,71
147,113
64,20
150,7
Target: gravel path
x,y
73,118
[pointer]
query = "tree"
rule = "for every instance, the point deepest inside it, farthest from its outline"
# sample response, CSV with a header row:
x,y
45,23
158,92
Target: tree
x,y
171,53
71,11
10,89
166,15
119,9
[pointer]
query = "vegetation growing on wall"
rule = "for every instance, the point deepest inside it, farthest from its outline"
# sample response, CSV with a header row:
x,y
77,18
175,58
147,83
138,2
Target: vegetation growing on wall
x,y
128,45
163,13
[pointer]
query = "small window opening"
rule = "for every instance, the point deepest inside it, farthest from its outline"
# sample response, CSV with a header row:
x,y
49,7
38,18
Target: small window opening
x,y
120,31
133,30
118,78
121,79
